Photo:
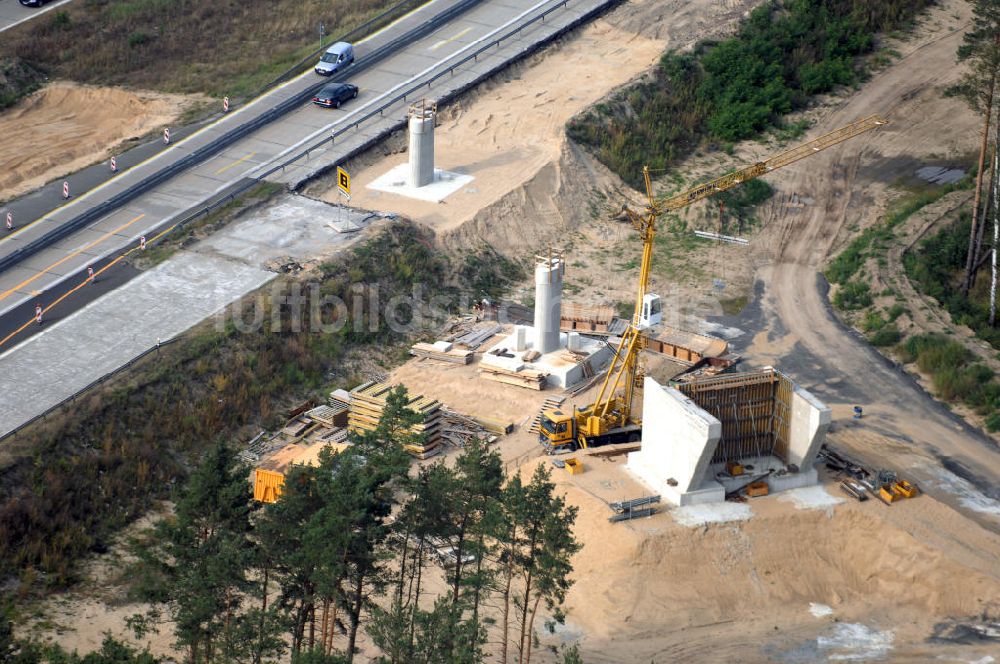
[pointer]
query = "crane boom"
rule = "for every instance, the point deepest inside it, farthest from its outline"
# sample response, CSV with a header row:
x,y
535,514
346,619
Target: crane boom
x,y
624,363
608,418
730,180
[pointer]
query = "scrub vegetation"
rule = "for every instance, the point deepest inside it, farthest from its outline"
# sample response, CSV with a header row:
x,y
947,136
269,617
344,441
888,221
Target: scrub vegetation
x,y
732,90
224,47
103,462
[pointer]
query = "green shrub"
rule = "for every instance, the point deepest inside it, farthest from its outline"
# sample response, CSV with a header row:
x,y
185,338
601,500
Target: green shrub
x,y
853,295
993,422
873,322
886,336
728,91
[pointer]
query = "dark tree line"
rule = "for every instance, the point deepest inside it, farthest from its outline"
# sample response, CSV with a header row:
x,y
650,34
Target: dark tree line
x,y
450,564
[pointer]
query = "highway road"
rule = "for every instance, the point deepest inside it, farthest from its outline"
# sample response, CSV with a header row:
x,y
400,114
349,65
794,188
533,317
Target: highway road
x,y
450,31
14,13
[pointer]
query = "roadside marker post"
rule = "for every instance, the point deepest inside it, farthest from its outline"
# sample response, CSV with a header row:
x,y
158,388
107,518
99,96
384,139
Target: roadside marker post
x,y
90,273
344,185
166,135
38,314
114,165
10,220
142,242
65,189
225,104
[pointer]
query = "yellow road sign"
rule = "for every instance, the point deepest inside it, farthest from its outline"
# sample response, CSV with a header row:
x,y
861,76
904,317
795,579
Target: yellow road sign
x,y
343,181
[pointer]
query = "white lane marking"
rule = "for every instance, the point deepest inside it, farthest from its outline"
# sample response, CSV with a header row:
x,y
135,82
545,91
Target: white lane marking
x,y
441,43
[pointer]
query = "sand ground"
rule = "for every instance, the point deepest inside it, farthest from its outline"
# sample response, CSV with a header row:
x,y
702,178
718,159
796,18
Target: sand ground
x,y
73,126
828,581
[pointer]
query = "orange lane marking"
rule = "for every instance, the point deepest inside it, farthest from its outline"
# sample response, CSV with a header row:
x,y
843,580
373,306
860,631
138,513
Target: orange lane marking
x,y
65,258
81,285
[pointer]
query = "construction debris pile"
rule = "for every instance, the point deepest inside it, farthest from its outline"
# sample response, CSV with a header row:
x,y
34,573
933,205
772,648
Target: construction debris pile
x,y
860,482
458,430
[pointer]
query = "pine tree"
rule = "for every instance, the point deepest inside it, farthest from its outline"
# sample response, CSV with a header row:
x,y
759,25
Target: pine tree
x,y
206,554
981,49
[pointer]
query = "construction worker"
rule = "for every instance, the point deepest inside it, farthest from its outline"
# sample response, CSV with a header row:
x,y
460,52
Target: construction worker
x,y
38,314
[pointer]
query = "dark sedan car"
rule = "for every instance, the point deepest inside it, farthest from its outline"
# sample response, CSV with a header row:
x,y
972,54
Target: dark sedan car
x,y
335,94
33,3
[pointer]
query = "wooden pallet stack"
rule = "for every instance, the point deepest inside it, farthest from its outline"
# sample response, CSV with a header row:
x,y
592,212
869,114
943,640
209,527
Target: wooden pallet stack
x,y
441,351
530,378
368,401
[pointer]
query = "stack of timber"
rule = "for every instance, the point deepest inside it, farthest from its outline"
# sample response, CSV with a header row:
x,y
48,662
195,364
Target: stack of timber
x,y
368,401
485,424
477,336
331,416
550,404
529,378
442,351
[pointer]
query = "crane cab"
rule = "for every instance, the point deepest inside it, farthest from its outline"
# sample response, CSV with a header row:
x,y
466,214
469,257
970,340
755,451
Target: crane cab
x,y
652,311
556,430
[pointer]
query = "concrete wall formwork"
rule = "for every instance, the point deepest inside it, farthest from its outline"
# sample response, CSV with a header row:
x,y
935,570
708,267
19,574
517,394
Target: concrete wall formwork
x,y
760,418
810,420
678,440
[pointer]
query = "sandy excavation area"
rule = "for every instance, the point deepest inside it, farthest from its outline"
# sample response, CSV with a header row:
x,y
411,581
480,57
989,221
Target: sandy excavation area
x,y
802,577
509,134
71,127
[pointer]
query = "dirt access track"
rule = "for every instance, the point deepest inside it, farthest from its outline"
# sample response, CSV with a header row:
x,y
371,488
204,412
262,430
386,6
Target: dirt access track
x,y
792,321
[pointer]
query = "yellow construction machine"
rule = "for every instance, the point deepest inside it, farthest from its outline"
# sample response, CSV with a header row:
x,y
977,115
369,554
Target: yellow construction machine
x,y
609,419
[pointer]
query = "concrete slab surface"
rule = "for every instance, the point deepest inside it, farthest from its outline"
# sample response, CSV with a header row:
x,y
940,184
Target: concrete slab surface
x,y
54,364
293,226
159,304
694,516
445,184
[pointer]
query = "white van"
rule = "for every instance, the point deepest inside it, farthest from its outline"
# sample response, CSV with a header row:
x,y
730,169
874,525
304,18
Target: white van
x,y
337,57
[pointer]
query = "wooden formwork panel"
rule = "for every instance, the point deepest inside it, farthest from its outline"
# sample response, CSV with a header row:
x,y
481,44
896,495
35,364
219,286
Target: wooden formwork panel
x,y
754,409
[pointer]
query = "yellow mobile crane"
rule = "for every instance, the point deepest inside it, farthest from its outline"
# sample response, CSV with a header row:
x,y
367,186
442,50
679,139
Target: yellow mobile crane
x,y
609,418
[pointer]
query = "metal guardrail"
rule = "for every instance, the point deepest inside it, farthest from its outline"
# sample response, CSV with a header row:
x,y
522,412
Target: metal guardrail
x,y
252,182
224,141
449,70
83,390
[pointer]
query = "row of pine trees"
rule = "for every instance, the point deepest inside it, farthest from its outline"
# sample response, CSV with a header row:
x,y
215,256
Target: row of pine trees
x,y
450,563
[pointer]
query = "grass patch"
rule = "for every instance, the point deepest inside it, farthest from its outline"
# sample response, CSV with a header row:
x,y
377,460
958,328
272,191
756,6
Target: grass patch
x,y
852,296
888,335
734,305
224,47
954,374
874,241
18,79
785,52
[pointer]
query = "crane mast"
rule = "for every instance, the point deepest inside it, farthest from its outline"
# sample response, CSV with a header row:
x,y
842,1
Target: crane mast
x,y
608,410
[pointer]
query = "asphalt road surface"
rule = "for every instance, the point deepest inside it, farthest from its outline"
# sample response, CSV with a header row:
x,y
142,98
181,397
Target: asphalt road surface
x,y
14,13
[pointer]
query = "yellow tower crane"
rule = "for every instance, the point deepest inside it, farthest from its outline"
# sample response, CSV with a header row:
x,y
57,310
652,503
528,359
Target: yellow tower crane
x,y
609,418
